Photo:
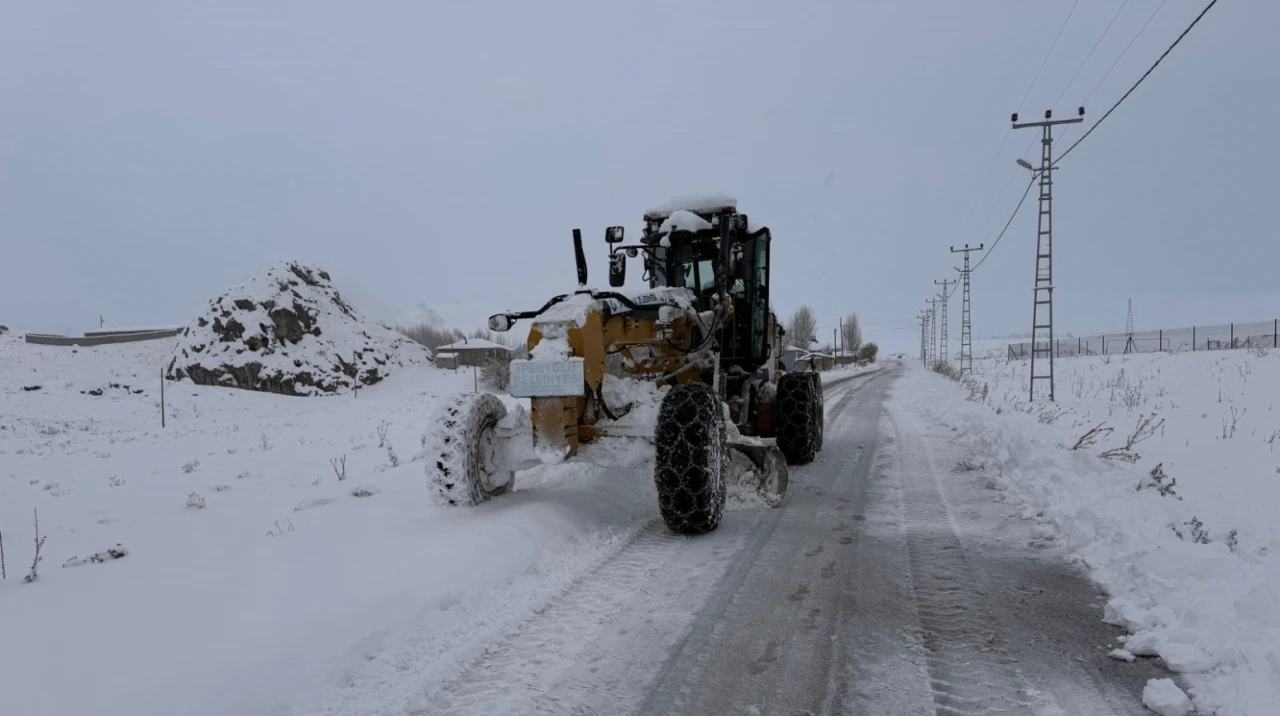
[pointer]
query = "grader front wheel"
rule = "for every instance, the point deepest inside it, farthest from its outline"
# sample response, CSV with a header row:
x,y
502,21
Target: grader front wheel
x,y
466,464
690,459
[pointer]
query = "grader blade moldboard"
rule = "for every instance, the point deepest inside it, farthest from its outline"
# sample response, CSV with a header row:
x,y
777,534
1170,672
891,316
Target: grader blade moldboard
x,y
767,475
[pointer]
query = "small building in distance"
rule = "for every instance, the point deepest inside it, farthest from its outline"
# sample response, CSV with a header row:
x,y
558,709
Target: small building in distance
x,y
470,352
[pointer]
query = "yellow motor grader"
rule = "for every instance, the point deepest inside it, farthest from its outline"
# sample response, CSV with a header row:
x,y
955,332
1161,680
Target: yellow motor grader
x,y
703,329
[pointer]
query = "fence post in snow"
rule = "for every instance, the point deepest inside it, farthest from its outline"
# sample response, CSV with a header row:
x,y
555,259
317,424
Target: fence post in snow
x,y
162,397
1104,345
1160,343
1275,333
1232,344
1193,339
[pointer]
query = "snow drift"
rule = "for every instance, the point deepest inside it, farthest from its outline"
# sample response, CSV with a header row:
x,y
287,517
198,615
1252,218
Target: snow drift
x,y
288,330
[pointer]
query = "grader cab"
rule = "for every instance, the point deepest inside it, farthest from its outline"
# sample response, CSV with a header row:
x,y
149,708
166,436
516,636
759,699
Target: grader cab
x,y
703,330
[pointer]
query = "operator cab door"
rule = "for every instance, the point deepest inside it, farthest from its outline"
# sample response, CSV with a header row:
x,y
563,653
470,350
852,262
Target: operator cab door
x,y
747,341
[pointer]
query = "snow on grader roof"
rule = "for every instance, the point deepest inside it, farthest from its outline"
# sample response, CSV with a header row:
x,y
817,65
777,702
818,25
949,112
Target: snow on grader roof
x,y
697,203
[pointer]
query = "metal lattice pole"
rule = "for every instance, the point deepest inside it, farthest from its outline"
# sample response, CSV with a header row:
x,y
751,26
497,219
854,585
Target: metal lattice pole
x,y
945,298
1042,292
966,326
1129,345
924,327
933,330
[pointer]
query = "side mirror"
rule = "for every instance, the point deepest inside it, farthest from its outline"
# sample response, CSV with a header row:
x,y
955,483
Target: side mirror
x,y
617,269
613,235
500,322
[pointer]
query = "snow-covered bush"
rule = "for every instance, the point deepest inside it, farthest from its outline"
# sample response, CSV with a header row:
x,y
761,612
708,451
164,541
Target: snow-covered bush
x,y
496,371
195,501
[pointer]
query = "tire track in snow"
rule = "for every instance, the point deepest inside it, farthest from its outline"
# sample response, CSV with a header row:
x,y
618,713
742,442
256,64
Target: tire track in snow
x,y
581,652
970,668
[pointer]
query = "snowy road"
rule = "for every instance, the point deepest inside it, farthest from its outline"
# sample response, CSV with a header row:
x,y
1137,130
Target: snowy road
x,y
888,584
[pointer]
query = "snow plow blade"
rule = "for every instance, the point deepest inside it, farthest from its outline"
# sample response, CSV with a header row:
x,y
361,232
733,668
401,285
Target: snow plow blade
x,y
764,471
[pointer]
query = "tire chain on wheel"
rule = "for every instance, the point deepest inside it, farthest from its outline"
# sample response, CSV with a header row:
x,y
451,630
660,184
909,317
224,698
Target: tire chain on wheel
x,y
453,462
690,458
799,417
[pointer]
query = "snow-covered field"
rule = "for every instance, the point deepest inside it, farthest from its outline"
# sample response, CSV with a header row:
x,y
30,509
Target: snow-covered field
x,y
1181,532
255,579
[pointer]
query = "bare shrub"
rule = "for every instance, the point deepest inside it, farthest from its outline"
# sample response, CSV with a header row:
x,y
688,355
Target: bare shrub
x,y
1091,438
195,501
382,433
1160,482
34,574
946,370
362,491
392,458
1233,540
496,371
115,481
190,467
1147,426
1229,429
339,467
264,442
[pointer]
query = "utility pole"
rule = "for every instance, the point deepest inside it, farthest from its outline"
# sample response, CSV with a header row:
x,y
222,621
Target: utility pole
x,y
946,297
840,345
933,330
966,328
924,327
1042,293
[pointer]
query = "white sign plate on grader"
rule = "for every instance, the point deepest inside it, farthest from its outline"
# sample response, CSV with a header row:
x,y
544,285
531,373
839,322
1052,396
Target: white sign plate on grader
x,y
547,379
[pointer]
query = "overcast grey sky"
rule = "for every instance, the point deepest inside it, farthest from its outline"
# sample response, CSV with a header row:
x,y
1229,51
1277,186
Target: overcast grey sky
x,y
153,153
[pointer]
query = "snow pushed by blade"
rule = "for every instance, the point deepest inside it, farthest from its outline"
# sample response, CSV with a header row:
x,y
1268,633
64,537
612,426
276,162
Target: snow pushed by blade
x,y
287,330
1165,698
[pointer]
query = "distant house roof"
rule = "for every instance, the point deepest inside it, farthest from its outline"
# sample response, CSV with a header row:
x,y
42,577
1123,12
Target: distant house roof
x,y
471,344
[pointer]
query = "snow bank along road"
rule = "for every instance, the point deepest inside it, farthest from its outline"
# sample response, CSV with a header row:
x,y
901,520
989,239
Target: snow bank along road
x,y
887,584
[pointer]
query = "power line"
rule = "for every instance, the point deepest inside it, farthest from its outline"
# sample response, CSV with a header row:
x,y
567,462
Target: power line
x,y
1140,79
1006,225
1125,52
1049,53
1000,151
1085,61
981,187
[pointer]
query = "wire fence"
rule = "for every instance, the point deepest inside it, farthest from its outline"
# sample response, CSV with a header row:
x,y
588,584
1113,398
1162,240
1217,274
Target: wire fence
x,y
1226,336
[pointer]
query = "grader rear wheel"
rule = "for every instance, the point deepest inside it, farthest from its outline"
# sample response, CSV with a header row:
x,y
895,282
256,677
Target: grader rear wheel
x,y
690,459
466,464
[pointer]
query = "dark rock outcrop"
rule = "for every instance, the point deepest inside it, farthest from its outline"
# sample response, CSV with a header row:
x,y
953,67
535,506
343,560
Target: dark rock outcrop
x,y
305,340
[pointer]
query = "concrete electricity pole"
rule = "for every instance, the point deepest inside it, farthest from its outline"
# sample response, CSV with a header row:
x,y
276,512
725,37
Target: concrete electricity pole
x,y
945,298
1042,293
966,329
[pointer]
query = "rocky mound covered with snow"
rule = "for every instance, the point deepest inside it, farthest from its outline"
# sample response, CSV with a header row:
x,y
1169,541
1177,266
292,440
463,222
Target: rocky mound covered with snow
x,y
289,331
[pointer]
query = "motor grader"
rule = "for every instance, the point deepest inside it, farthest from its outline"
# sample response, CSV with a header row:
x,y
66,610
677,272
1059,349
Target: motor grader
x,y
703,330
